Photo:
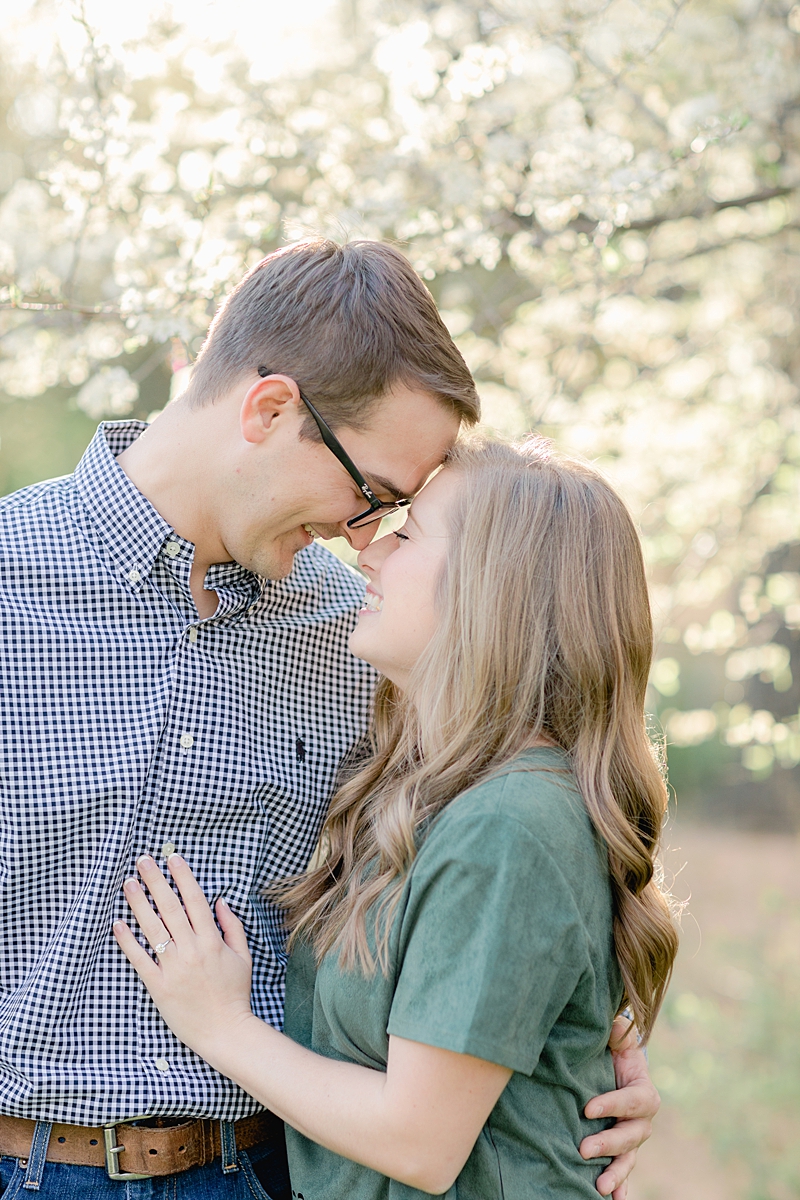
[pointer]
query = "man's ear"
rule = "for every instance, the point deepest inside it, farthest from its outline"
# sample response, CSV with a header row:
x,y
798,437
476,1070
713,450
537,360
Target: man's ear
x,y
265,403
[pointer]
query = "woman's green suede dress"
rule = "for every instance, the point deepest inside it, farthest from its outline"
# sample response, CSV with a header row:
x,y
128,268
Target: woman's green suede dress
x,y
501,948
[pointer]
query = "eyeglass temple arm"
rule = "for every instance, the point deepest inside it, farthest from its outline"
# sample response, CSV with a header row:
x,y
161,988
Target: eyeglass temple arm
x,y
335,447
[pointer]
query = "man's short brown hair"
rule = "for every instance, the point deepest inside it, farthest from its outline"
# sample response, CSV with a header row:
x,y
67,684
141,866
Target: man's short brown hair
x,y
347,322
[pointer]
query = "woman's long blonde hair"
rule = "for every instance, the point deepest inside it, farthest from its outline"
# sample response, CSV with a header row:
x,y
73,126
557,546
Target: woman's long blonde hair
x,y
544,632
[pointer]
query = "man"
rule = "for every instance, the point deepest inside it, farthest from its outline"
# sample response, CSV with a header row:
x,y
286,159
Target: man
x,y
173,677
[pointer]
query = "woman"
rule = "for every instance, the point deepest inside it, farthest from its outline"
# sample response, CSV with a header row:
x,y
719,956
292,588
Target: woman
x,y
485,900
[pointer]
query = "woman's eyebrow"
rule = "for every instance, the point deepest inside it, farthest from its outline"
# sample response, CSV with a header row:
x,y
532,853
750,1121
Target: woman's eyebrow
x,y
411,519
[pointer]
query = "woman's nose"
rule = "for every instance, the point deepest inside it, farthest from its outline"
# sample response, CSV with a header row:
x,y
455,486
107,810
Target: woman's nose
x,y
375,553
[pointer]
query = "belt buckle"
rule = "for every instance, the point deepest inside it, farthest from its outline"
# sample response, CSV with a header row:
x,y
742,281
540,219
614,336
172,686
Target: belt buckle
x,y
113,1152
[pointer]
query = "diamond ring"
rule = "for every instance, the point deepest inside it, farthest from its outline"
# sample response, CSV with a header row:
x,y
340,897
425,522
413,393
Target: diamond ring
x,y
161,947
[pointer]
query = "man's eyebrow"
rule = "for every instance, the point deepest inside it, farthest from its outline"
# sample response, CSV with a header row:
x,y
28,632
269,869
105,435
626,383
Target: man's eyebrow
x,y
379,483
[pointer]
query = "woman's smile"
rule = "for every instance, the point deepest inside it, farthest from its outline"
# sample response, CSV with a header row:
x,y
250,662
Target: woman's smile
x,y
372,601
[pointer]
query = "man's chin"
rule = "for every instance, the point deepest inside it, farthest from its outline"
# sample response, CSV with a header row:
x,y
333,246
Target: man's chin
x,y
274,564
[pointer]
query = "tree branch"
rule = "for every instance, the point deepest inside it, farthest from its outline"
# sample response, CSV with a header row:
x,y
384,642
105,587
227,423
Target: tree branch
x,y
714,206
95,310
792,226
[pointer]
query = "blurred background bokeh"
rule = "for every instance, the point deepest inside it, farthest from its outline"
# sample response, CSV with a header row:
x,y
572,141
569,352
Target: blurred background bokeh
x,y
603,197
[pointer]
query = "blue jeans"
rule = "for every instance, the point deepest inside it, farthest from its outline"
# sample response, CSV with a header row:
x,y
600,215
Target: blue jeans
x,y
262,1175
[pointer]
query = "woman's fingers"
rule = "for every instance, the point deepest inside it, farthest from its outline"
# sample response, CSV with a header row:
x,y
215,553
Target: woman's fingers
x,y
197,907
149,921
169,906
173,921
136,955
233,929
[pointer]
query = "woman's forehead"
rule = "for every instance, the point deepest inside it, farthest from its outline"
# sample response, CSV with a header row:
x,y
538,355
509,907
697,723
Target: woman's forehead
x,y
432,503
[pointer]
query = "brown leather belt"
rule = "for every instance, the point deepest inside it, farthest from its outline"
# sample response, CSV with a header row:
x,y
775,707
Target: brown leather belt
x,y
145,1150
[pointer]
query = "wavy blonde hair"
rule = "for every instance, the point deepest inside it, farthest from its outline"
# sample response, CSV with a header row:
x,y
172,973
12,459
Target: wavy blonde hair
x,y
544,633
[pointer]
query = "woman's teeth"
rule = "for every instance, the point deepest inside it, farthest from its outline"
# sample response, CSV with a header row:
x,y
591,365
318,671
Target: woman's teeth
x,y
372,602
310,530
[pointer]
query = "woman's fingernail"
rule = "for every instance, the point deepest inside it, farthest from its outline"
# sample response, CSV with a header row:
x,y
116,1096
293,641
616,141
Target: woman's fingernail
x,y
145,862
131,885
224,902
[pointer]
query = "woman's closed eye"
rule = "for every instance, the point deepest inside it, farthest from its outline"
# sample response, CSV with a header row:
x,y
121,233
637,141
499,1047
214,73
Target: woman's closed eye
x,y
402,537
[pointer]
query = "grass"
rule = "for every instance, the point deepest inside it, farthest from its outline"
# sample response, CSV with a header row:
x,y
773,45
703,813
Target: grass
x,y
726,1052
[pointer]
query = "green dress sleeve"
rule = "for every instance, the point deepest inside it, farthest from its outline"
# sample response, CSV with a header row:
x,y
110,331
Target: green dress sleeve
x,y
492,944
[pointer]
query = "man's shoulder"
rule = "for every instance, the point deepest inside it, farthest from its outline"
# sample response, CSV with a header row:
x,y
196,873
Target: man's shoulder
x,y
34,508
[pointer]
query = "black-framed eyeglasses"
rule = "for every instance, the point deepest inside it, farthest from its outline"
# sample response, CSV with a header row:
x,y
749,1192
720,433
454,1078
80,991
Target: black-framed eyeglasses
x,y
378,509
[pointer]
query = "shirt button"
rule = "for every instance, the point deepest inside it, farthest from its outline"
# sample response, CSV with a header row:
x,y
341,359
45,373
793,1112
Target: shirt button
x,y
167,849
162,1064
187,741
134,576
193,634
173,549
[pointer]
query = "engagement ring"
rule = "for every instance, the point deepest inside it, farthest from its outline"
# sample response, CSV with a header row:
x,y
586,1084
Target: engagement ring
x,y
161,947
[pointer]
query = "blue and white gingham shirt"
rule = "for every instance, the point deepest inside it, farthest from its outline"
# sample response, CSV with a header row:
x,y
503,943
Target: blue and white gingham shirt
x,y
129,724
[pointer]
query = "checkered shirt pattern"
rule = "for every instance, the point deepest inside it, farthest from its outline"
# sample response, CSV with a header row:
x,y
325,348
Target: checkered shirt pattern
x,y
128,725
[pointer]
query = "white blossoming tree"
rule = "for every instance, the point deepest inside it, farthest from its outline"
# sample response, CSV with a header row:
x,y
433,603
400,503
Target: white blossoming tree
x,y
602,196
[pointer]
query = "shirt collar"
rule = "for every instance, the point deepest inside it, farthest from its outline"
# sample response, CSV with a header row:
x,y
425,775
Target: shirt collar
x,y
126,520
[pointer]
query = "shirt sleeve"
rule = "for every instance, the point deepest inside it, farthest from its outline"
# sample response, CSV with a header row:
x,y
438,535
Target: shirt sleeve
x,y
492,944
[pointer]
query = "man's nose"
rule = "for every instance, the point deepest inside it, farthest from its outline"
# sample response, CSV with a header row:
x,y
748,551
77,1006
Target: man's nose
x,y
361,537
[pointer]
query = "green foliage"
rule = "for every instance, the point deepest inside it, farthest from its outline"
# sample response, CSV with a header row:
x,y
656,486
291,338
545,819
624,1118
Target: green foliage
x,y
40,438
